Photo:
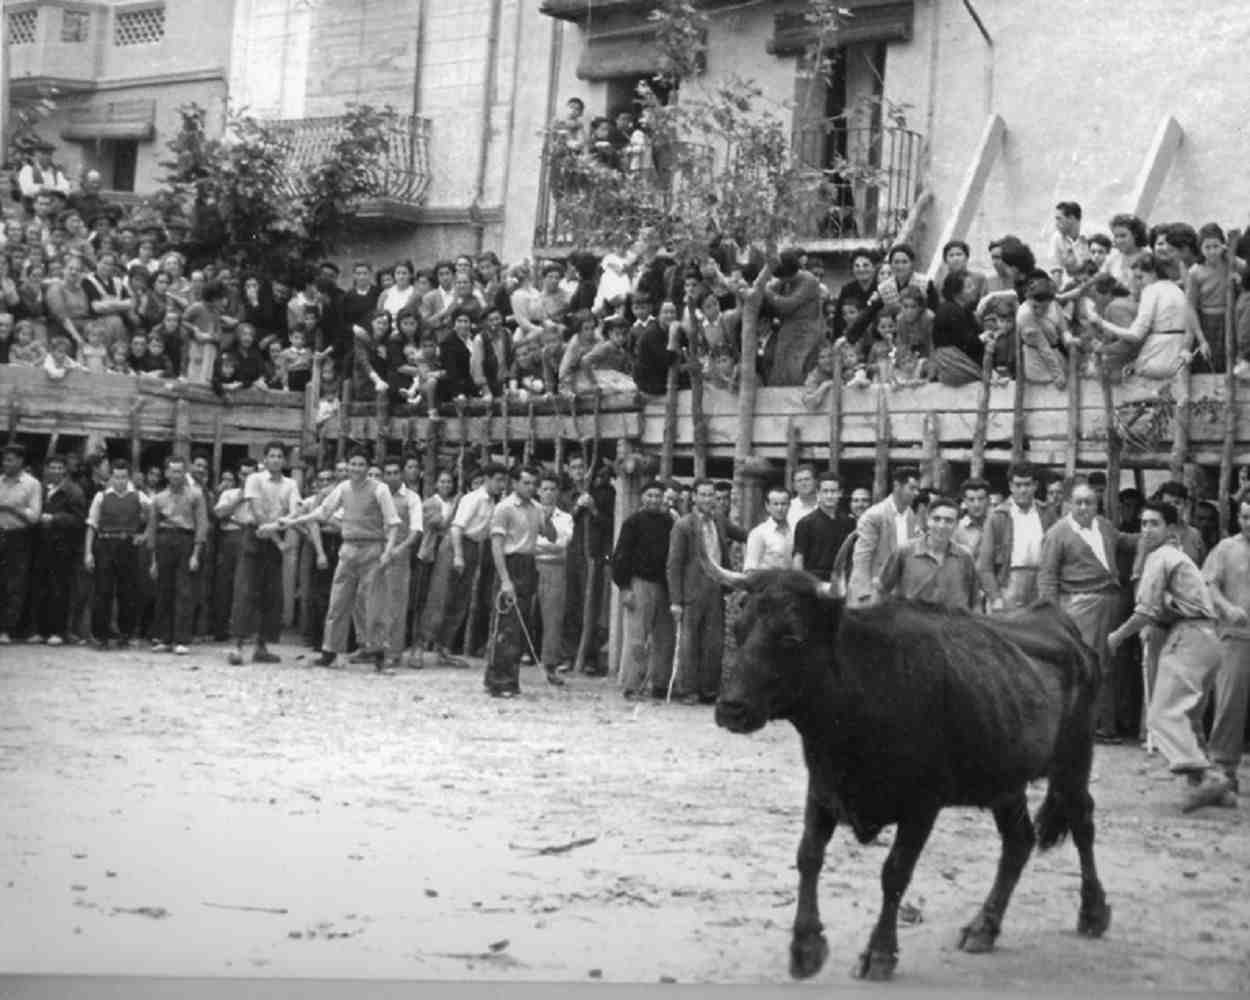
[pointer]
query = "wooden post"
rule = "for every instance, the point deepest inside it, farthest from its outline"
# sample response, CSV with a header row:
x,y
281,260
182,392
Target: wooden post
x,y
182,427
931,474
881,465
1230,387
559,442
1017,428
1114,450
793,444
1180,430
219,430
699,420
432,428
670,423
53,440
14,410
462,424
308,420
981,429
381,415
345,405
503,410
596,425
749,382
527,455
835,415
1074,413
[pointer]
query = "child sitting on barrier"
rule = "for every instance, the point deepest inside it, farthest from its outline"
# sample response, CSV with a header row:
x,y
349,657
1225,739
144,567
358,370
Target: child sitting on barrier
x,y
159,361
119,358
94,355
58,363
26,350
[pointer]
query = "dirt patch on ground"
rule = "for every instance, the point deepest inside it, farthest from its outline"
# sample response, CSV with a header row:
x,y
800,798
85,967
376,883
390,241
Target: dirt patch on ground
x,y
176,816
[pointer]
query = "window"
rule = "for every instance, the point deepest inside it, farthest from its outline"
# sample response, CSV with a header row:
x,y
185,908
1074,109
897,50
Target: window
x,y
74,25
139,26
22,26
118,158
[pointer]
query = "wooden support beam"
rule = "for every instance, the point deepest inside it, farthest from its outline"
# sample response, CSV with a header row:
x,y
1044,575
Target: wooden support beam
x,y
989,147
1074,413
793,443
1154,170
748,388
345,401
1017,405
1180,430
670,423
700,421
983,415
182,437
1230,394
835,415
1115,448
881,461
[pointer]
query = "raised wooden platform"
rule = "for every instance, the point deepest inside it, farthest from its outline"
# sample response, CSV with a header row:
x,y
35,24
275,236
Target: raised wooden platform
x,y
103,407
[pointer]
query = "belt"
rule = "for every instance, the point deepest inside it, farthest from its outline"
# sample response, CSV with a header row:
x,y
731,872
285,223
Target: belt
x,y
1023,569
111,535
551,560
174,528
364,541
229,528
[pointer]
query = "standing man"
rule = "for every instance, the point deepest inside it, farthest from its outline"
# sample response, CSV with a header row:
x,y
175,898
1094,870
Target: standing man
x,y
1078,571
268,497
433,578
1011,547
932,567
1173,596
177,529
389,592
115,530
370,529
1068,248
325,540
551,558
21,507
770,544
819,535
515,525
639,565
805,499
96,479
1227,572
971,526
470,534
229,545
696,601
861,500
63,518
592,505
883,529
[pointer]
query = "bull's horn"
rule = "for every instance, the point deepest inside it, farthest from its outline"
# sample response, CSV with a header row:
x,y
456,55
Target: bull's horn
x,y
726,576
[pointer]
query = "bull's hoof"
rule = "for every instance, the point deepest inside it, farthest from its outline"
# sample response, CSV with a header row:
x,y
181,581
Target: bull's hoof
x,y
807,955
978,937
875,966
1094,920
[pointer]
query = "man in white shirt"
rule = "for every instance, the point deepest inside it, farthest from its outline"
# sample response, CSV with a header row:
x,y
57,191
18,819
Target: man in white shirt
x,y
470,549
770,544
21,507
552,561
1069,250
391,585
42,175
268,498
805,496
1011,546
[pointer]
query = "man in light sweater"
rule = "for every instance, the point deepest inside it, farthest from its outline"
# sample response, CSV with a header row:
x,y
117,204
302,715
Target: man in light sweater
x,y
1011,545
552,560
1078,571
370,529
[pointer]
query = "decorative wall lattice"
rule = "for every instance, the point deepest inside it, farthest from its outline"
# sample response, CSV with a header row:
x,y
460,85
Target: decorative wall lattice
x,y
22,27
141,26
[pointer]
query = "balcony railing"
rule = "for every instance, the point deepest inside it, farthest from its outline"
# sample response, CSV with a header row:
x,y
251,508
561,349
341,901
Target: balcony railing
x,y
402,177
868,187
871,176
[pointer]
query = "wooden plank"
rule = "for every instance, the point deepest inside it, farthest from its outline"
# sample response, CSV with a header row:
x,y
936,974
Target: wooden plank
x,y
1156,166
1074,412
1017,407
983,415
835,415
881,462
794,441
968,200
1114,450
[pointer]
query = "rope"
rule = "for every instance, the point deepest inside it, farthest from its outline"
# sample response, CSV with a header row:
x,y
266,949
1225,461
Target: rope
x,y
505,602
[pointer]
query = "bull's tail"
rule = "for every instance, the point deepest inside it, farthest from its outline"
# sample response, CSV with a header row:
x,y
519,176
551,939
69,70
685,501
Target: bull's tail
x,y
1051,823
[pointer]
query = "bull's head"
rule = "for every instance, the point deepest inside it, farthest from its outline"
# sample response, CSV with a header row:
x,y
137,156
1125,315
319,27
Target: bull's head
x,y
783,635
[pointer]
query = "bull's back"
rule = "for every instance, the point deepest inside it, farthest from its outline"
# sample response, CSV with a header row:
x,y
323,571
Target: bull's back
x,y
974,717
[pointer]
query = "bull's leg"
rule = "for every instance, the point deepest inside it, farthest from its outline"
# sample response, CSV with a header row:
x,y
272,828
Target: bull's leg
x,y
808,948
1016,830
1095,915
881,956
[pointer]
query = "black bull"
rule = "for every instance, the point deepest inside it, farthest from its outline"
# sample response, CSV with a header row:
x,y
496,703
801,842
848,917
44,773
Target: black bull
x,y
905,709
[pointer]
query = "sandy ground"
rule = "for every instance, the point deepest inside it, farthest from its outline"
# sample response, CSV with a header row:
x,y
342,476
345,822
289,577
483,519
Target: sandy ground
x,y
388,827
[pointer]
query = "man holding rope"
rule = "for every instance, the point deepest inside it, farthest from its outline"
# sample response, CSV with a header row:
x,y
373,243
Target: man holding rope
x,y
515,525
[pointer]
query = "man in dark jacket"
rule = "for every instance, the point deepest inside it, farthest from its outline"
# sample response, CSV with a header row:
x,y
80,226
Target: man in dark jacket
x,y
60,547
654,348
1011,547
638,570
